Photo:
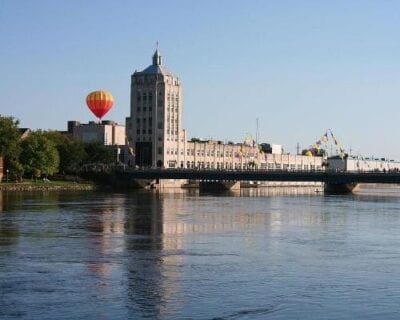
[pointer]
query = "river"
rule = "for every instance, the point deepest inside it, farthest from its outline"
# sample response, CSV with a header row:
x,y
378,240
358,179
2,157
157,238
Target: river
x,y
256,254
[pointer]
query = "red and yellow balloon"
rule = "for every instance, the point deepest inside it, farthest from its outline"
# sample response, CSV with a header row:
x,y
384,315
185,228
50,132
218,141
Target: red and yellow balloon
x,y
99,102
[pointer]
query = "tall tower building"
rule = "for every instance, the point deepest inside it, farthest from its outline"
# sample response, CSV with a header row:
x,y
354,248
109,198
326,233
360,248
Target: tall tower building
x,y
154,128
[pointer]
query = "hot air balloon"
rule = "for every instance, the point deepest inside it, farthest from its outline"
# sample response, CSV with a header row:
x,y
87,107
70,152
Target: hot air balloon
x,y
99,102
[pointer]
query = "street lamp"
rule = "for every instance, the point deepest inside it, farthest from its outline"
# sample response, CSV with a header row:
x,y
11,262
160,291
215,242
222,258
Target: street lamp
x,y
7,171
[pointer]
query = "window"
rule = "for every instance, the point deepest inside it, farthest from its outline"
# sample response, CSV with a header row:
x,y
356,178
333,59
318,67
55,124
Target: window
x,y
160,150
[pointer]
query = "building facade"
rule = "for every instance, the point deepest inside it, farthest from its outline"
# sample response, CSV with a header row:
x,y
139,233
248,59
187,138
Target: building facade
x,y
360,164
154,129
108,133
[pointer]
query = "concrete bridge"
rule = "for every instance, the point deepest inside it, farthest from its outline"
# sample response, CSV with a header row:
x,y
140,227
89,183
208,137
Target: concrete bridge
x,y
336,182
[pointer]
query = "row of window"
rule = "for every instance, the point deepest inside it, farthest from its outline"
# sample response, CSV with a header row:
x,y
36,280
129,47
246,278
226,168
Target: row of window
x,y
144,96
143,106
149,97
226,165
144,121
153,80
145,109
174,151
202,153
172,139
149,131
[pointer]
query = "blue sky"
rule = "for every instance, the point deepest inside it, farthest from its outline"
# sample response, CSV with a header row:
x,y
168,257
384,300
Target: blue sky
x,y
299,66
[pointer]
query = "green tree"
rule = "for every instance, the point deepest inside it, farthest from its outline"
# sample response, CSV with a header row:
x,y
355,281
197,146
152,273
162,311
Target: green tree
x,y
99,153
10,146
39,155
70,150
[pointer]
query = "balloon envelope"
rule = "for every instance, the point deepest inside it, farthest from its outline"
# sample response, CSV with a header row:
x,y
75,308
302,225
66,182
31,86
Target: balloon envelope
x,y
99,102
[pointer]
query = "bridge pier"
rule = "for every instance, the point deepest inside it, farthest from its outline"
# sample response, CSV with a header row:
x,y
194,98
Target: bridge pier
x,y
340,188
219,185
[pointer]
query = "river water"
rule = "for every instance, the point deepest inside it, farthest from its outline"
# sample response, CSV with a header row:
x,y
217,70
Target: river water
x,y
257,254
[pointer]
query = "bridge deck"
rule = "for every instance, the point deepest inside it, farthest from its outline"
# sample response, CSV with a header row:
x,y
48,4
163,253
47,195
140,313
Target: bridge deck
x,y
261,175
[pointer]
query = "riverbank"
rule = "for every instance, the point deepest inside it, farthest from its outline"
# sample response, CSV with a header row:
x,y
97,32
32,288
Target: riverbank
x,y
47,186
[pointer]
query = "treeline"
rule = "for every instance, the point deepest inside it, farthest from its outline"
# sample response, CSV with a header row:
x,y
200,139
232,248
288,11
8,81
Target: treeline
x,y
45,153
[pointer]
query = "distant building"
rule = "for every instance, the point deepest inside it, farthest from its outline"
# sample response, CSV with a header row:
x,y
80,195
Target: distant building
x,y
24,132
362,164
154,129
108,133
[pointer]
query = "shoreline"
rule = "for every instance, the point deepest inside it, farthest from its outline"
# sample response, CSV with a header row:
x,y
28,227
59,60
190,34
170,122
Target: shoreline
x,y
47,186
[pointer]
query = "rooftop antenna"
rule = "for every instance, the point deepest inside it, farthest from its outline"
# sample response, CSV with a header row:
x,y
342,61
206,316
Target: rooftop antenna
x,y
157,45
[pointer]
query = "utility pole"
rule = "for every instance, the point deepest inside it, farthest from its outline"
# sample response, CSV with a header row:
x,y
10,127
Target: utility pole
x,y
298,148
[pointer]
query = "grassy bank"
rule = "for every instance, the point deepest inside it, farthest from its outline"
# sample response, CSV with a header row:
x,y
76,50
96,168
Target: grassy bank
x,y
39,185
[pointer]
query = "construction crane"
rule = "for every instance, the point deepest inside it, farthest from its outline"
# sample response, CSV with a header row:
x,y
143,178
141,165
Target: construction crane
x,y
320,146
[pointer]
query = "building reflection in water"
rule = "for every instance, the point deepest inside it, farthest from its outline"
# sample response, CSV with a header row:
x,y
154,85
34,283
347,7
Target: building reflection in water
x,y
107,221
147,232
154,260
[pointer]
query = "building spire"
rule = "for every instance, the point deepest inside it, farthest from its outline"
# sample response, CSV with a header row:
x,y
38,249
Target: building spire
x,y
157,56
